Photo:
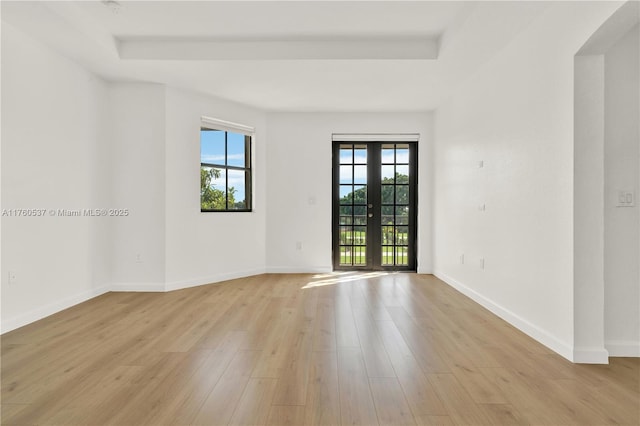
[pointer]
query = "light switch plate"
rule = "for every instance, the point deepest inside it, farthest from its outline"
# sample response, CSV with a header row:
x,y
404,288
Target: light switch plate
x,y
626,199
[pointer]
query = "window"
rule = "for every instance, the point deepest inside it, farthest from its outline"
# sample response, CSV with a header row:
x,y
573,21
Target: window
x,y
225,171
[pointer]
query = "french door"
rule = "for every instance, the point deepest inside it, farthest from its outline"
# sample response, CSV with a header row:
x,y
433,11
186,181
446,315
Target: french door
x,y
374,205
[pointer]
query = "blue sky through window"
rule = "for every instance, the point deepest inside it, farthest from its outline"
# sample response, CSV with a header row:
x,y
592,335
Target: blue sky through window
x,y
212,147
235,149
212,151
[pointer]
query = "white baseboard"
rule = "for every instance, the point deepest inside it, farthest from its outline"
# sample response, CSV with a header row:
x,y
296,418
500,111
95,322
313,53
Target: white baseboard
x,y
593,355
623,348
195,282
138,287
50,309
299,270
182,284
520,323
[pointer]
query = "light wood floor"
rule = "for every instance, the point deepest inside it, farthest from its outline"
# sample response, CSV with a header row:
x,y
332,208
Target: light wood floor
x,y
362,349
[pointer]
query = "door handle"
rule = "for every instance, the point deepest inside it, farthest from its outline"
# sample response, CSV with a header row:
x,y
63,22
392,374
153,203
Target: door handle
x,y
370,206
370,214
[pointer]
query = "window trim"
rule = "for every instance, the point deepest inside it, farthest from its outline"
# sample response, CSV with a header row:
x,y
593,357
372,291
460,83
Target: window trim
x,y
227,126
207,123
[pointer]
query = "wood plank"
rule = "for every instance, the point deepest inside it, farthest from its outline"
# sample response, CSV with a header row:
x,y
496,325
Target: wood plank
x,y
458,403
594,407
260,333
374,353
435,421
323,405
374,301
276,349
9,411
356,401
469,376
293,373
421,396
402,359
255,403
185,406
503,414
346,333
221,403
423,348
100,386
324,333
286,415
391,404
534,399
147,379
216,333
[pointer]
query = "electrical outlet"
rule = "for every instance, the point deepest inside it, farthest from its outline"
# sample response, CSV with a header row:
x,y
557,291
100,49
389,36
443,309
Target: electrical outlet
x,y
138,258
298,245
13,278
462,259
482,263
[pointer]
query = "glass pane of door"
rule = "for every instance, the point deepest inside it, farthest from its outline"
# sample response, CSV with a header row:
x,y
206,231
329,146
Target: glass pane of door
x,y
353,187
394,209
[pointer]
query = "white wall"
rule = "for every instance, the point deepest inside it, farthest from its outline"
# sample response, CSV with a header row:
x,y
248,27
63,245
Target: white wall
x,y
166,242
621,224
54,130
138,182
515,114
208,247
588,209
73,141
299,184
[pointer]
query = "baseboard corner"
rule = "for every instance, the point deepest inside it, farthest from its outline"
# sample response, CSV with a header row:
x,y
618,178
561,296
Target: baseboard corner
x,y
590,355
623,348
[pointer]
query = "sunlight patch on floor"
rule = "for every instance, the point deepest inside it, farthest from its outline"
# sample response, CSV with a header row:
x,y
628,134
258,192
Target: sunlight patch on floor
x,y
343,277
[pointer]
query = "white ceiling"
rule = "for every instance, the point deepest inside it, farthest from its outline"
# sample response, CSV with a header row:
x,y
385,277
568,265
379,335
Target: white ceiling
x,y
465,35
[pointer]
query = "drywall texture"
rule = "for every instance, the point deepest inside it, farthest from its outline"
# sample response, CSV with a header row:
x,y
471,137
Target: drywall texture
x,y
621,224
138,185
166,242
83,143
516,116
599,155
299,183
588,208
54,134
207,247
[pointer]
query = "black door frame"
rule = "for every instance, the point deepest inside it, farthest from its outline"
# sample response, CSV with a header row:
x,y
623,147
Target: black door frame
x,y
374,225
